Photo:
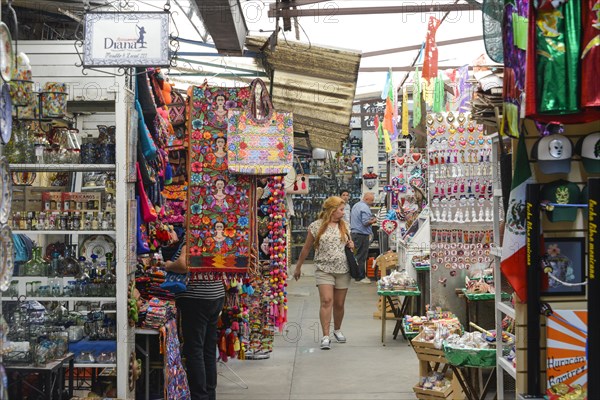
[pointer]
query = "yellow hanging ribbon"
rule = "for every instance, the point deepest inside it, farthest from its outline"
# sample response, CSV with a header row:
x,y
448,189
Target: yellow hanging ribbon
x,y
388,142
405,131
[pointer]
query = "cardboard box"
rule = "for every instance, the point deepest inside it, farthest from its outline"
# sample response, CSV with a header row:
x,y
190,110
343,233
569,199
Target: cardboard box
x,y
52,201
33,196
82,201
18,199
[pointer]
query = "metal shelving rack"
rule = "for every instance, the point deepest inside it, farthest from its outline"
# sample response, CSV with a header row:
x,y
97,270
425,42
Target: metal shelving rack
x,y
501,308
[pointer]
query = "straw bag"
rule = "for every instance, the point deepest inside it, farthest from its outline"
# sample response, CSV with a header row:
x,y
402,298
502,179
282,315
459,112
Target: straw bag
x,y
260,145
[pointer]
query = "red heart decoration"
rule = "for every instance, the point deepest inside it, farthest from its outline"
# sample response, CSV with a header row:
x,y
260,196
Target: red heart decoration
x,y
416,181
400,161
416,157
389,226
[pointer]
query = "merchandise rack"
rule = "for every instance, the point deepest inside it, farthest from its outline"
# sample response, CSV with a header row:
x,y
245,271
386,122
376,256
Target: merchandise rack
x,y
94,99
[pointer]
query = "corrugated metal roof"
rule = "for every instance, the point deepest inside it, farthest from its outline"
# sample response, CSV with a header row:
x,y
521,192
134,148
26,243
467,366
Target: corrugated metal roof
x,y
317,84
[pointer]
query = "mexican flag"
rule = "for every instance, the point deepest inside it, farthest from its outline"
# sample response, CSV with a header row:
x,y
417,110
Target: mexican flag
x,y
514,261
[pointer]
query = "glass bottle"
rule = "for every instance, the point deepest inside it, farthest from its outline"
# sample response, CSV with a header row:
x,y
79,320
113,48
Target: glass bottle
x,y
36,266
54,266
82,278
110,278
77,221
95,222
70,265
23,223
87,225
104,225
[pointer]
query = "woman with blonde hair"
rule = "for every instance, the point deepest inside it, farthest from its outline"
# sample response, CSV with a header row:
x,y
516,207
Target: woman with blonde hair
x,y
329,235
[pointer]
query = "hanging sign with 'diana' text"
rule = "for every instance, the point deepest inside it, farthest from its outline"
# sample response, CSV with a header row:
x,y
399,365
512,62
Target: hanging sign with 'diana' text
x,y
127,39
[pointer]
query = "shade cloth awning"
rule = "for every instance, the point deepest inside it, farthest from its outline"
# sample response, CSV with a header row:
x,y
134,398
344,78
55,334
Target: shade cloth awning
x,y
316,83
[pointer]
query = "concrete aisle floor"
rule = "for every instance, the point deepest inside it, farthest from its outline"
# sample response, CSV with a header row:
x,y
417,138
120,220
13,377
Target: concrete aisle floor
x,y
360,369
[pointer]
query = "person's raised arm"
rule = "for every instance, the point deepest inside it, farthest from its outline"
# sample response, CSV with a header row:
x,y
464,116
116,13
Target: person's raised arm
x,y
310,240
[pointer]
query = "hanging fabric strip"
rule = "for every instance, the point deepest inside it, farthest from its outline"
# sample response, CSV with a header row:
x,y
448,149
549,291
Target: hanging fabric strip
x,y
417,98
430,66
439,95
405,131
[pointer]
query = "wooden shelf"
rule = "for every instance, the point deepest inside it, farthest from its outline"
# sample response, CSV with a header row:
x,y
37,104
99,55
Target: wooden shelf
x,y
54,232
62,298
62,167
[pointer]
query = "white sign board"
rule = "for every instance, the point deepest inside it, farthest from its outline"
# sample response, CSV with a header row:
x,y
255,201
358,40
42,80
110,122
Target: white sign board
x,y
126,39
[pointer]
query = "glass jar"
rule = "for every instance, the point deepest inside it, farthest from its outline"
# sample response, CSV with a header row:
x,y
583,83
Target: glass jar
x,y
105,150
36,266
88,150
70,266
20,148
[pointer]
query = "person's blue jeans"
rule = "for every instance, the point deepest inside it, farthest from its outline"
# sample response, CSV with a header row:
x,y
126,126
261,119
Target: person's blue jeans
x,y
199,330
361,245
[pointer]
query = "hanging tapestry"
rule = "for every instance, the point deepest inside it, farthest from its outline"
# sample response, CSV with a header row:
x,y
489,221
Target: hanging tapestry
x,y
219,218
176,384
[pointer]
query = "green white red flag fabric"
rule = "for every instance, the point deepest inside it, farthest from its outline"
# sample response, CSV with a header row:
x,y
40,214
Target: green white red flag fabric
x,y
514,261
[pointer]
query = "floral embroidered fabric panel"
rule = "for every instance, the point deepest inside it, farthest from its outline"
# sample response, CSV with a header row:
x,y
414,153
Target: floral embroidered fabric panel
x,y
260,148
219,221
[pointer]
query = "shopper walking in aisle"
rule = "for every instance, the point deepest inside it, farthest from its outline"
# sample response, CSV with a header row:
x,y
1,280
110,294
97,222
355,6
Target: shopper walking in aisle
x,y
345,195
329,235
199,308
361,219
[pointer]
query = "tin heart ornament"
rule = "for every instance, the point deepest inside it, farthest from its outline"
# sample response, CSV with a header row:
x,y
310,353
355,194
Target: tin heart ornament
x,y
389,226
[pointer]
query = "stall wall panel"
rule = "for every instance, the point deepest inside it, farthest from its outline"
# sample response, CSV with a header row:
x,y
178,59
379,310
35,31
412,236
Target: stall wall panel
x,y
50,60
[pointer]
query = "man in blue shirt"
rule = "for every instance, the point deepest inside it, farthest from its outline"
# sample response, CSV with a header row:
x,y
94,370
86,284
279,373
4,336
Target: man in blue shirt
x,y
361,219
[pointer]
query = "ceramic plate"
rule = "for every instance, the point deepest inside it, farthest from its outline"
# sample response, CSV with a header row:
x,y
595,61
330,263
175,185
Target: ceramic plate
x,y
5,114
7,264
5,191
6,53
98,245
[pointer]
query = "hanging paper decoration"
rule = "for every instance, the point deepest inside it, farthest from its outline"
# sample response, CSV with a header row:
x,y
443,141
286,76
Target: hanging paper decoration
x,y
439,95
405,131
464,89
390,117
428,92
376,125
430,66
417,99
219,203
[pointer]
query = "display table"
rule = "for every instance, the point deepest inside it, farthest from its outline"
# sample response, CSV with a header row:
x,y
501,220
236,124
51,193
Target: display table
x,y
469,362
399,312
145,351
476,298
52,376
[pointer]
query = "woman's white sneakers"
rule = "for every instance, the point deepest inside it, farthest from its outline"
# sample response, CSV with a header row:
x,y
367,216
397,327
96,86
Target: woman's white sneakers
x,y
326,340
339,336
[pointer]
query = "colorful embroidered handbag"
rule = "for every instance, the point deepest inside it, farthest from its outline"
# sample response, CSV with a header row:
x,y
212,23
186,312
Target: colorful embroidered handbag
x,y
297,183
260,145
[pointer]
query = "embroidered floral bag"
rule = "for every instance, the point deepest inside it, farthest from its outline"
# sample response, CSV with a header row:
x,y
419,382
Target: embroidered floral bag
x,y
260,140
